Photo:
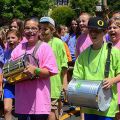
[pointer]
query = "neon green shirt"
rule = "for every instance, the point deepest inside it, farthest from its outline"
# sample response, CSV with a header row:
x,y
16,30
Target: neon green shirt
x,y
90,65
61,58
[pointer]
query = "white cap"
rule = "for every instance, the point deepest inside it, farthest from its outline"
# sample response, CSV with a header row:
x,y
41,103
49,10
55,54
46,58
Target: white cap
x,y
47,20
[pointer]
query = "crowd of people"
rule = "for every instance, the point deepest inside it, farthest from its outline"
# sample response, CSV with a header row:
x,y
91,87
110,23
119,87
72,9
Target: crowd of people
x,y
62,53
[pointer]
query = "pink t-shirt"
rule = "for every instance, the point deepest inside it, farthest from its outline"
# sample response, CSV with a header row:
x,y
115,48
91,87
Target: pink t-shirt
x,y
33,96
118,84
83,42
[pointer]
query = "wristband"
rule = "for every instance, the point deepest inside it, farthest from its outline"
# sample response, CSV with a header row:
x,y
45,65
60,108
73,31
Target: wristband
x,y
37,71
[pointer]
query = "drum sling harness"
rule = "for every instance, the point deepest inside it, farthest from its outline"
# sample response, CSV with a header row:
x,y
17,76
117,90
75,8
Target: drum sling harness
x,y
107,65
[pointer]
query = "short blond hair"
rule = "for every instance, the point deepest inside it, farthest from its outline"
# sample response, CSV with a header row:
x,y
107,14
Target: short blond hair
x,y
116,21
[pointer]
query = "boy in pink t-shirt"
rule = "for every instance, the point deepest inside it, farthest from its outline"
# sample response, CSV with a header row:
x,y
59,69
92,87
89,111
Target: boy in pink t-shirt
x,y
32,97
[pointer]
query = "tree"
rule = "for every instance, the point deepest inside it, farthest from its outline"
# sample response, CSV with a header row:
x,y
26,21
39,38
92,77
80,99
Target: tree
x,y
24,8
84,5
63,15
114,5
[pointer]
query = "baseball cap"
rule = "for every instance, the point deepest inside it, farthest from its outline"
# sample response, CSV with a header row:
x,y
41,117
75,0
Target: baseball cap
x,y
47,20
97,23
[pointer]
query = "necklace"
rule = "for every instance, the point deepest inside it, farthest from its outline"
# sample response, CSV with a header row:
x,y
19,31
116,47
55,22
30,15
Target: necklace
x,y
96,70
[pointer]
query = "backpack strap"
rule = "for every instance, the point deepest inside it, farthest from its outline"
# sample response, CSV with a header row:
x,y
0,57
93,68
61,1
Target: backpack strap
x,y
36,47
107,65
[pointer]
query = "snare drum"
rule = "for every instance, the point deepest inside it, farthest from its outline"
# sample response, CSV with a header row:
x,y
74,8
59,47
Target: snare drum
x,y
87,93
13,70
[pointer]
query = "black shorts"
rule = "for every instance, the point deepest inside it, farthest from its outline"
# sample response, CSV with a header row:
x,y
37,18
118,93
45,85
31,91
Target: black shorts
x,y
32,116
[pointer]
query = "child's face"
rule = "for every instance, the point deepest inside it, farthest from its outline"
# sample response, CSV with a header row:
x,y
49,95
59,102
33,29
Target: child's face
x,y
96,35
14,26
62,31
45,32
12,40
83,23
31,31
74,25
114,32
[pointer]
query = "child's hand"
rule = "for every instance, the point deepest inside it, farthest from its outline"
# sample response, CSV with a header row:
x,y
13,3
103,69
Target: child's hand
x,y
108,82
30,69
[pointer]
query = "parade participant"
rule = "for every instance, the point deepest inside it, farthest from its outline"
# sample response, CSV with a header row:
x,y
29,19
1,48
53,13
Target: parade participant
x,y
116,14
32,97
2,39
90,65
12,37
1,61
114,33
84,40
71,38
60,32
60,29
16,24
47,26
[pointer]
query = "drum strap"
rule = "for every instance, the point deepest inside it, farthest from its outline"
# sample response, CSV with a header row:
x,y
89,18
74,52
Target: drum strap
x,y
107,65
35,50
36,47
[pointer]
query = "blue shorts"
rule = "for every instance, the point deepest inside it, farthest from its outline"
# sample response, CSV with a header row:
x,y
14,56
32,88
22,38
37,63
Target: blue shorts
x,y
96,117
9,91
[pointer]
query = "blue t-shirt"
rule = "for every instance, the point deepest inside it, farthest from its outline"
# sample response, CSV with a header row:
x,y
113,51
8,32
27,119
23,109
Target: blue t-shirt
x,y
71,42
9,89
7,55
1,58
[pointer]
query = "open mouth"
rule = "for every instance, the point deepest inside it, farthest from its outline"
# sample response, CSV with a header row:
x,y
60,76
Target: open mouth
x,y
30,36
82,27
112,35
10,43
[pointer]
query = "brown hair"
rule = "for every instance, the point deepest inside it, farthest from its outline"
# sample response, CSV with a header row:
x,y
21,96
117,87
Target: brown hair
x,y
85,13
19,24
33,19
116,21
17,33
2,38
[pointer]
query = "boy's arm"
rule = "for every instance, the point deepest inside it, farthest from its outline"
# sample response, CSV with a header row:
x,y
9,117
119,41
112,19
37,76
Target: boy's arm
x,y
108,82
64,77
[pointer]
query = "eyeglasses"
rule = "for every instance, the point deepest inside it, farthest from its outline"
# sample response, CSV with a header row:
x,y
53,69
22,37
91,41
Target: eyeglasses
x,y
33,29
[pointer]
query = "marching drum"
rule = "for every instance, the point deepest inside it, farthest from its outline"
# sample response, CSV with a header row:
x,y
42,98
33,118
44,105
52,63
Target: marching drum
x,y
90,94
13,70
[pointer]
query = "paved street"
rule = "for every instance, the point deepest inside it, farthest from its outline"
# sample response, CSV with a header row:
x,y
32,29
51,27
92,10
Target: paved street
x,y
70,114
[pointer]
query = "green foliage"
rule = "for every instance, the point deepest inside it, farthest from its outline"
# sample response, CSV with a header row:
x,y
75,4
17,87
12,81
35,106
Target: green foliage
x,y
84,5
63,15
89,5
114,5
24,8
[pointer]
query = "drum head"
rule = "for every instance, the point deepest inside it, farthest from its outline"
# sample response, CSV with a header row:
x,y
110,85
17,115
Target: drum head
x,y
104,98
